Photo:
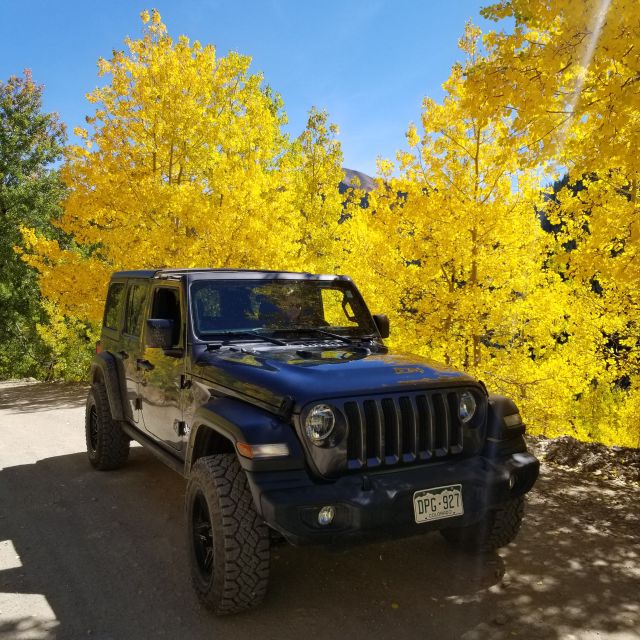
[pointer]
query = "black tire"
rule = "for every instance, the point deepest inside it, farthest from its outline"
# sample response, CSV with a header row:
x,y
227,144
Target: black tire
x,y
107,444
497,529
228,541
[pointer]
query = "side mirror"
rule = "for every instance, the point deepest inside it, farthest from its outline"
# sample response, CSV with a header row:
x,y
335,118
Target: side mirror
x,y
382,324
159,333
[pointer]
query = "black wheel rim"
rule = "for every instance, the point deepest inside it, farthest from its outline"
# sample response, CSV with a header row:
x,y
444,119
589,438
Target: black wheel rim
x,y
202,536
93,429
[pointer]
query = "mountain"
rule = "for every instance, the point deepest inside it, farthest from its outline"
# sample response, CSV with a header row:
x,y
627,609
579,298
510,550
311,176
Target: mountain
x,y
367,183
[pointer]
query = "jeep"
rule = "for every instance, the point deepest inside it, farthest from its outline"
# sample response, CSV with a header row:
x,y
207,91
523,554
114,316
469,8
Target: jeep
x,y
274,395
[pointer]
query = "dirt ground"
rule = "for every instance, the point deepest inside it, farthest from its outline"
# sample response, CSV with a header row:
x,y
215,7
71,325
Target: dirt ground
x,y
85,554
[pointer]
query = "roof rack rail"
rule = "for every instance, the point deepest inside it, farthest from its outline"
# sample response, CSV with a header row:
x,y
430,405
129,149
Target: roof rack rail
x,y
167,273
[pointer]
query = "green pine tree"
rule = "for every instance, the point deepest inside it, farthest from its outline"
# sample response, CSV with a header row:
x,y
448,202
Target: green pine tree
x,y
31,142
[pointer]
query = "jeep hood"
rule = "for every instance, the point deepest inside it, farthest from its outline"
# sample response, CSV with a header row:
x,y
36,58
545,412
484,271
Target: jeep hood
x,y
275,376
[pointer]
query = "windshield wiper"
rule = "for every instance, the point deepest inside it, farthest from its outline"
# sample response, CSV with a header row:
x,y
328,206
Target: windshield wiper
x,y
322,332
226,335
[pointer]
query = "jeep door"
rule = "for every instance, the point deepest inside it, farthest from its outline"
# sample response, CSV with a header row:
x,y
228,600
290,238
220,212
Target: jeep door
x,y
131,342
161,382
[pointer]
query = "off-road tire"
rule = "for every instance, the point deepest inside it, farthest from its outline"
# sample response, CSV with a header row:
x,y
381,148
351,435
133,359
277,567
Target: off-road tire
x,y
497,529
107,444
238,538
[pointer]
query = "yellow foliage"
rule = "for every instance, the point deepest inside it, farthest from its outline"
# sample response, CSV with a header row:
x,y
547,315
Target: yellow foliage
x,y
568,73
186,164
453,249
566,76
70,342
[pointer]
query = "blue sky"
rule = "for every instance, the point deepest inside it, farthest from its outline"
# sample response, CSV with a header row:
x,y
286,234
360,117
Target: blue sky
x,y
369,63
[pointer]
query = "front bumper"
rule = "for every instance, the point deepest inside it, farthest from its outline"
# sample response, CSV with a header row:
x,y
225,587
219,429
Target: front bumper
x,y
381,504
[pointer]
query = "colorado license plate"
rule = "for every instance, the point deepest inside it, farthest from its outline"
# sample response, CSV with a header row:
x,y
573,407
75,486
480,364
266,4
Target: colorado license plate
x,y
438,503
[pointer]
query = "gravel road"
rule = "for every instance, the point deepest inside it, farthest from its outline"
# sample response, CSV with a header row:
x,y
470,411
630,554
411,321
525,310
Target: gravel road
x,y
85,554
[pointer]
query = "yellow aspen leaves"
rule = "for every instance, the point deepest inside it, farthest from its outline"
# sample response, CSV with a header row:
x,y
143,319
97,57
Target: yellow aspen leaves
x,y
452,246
479,260
186,163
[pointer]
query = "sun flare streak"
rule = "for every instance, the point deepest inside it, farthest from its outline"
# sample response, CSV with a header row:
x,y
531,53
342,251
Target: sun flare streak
x,y
596,26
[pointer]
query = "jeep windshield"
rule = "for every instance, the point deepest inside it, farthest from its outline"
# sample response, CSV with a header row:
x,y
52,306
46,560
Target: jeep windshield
x,y
237,309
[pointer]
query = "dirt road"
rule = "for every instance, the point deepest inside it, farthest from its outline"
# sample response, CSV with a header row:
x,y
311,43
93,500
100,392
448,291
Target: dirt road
x,y
85,554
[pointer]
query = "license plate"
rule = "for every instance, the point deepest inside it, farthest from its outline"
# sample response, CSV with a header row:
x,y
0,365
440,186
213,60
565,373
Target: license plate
x,y
438,503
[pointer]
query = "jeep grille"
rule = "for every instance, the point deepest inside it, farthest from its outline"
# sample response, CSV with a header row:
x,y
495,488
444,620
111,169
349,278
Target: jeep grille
x,y
402,429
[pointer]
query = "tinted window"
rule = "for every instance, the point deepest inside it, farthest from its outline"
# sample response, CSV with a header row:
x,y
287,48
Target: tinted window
x,y
166,305
113,305
135,306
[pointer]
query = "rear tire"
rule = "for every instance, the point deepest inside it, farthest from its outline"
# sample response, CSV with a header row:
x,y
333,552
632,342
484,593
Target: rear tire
x,y
497,529
228,541
107,444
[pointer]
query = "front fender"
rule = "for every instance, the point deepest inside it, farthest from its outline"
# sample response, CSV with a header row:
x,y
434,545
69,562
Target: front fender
x,y
104,368
238,421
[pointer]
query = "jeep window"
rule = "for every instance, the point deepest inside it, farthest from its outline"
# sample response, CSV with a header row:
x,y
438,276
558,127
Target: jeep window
x,y
278,305
166,305
113,305
338,311
135,303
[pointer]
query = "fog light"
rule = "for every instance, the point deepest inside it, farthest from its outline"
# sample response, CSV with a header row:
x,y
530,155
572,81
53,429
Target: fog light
x,y
325,515
512,482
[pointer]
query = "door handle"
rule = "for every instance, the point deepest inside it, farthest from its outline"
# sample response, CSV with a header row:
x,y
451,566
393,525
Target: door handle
x,y
145,365
123,354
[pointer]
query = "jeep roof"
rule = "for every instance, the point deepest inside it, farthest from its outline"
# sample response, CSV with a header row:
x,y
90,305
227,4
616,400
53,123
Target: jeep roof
x,y
227,274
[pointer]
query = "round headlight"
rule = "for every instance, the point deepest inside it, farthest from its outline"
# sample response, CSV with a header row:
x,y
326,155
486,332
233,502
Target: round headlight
x,y
467,407
319,423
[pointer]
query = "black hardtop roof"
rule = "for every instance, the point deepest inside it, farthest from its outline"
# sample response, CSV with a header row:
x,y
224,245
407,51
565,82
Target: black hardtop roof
x,y
224,274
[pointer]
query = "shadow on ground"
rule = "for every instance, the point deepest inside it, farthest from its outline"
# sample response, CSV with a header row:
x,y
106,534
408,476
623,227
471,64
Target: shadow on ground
x,y
19,397
106,551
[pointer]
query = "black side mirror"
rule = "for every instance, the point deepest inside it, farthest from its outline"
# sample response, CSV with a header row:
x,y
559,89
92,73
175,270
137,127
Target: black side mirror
x,y
382,324
159,333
